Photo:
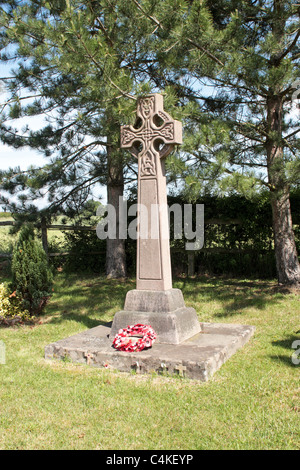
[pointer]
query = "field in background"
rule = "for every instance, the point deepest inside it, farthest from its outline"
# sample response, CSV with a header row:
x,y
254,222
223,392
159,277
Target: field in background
x,y
6,239
55,237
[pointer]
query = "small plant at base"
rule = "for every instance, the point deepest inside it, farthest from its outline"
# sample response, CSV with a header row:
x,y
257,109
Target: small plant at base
x,y
11,311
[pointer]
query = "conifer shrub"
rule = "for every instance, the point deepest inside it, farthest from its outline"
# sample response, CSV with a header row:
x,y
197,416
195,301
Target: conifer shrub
x,y
31,275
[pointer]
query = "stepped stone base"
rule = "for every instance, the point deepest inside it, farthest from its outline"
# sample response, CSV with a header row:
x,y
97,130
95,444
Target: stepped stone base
x,y
165,311
196,358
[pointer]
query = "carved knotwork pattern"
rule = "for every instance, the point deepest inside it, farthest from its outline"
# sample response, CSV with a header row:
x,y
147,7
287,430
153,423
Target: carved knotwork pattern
x,y
143,142
147,106
148,167
168,131
127,136
147,135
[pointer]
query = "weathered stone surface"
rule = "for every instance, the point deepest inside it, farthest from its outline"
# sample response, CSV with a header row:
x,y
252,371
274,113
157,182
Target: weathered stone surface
x,y
156,301
172,327
165,311
196,358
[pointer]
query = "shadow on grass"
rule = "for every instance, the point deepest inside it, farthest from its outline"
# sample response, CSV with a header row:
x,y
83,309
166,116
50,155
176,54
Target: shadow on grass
x,y
82,319
292,346
235,295
90,301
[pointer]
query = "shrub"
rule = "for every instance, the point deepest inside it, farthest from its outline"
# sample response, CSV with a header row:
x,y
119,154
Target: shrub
x,y
11,311
86,252
31,276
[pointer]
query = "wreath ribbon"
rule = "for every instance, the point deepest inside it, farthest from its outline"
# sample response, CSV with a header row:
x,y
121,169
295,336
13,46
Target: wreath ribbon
x,y
122,343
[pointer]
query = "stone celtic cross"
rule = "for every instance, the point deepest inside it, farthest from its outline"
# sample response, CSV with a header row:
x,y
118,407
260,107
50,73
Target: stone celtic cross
x,y
151,139
154,302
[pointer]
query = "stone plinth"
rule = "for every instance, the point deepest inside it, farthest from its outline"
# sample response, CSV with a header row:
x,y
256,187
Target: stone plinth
x,y
197,358
165,311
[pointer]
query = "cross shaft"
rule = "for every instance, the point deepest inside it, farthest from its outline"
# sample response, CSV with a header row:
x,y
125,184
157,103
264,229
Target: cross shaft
x,y
152,139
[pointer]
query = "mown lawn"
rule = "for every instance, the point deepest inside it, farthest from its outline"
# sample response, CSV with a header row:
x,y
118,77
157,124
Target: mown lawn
x,y
252,402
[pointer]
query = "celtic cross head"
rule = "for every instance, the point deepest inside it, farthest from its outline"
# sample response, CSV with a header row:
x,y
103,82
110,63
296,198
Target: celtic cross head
x,y
154,132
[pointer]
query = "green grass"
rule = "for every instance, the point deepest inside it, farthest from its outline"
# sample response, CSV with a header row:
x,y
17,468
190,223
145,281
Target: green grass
x,y
6,239
252,402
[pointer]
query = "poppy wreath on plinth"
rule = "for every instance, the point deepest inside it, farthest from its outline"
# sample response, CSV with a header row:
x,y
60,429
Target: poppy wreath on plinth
x,y
122,340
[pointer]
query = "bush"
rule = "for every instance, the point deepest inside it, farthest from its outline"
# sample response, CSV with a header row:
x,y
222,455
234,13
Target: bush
x,y
86,252
11,311
31,276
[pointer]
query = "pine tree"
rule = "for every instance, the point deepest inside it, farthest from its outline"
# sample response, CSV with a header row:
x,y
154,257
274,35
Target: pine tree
x,y
83,64
74,63
228,67
237,63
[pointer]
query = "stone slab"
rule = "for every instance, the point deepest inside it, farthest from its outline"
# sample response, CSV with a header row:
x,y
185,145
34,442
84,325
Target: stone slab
x,y
196,358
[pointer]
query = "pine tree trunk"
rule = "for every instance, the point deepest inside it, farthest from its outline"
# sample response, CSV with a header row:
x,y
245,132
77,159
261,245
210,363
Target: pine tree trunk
x,y
115,248
287,263
288,268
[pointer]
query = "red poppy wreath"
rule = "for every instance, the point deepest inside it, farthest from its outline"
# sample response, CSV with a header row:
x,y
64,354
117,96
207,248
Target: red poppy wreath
x,y
123,342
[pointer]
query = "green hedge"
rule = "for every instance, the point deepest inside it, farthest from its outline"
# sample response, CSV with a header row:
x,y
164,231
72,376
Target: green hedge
x,y
251,242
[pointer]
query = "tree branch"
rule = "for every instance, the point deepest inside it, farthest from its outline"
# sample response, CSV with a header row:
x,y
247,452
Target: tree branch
x,y
290,47
100,67
292,133
104,31
209,54
152,18
73,190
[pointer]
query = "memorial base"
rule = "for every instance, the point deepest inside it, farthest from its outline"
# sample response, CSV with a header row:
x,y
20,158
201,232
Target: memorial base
x,y
197,358
165,311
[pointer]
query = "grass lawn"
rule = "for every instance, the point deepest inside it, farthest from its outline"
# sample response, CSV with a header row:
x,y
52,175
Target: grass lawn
x,y
252,402
6,239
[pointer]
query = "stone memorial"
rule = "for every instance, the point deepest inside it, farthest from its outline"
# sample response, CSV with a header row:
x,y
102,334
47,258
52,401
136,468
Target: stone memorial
x,y
184,346
154,301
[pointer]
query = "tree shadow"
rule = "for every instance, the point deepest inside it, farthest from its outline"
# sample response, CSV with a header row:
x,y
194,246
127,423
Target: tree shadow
x,y
89,301
78,318
234,294
92,300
